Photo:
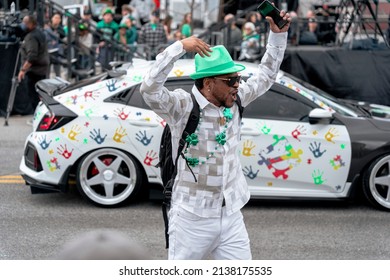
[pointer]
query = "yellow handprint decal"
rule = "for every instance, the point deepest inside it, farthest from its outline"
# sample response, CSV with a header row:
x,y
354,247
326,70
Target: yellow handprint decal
x,y
178,72
76,130
119,134
248,147
332,133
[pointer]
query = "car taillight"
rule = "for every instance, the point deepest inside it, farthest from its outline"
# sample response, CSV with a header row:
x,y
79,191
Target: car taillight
x,y
31,158
50,122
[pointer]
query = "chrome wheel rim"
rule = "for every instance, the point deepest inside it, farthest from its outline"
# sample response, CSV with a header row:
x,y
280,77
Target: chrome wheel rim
x,y
107,176
380,182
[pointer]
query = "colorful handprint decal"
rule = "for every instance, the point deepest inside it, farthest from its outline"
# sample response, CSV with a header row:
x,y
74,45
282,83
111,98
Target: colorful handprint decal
x,y
150,157
111,85
298,131
248,172
96,136
120,113
332,133
143,138
63,151
315,148
317,177
43,142
248,147
76,130
119,134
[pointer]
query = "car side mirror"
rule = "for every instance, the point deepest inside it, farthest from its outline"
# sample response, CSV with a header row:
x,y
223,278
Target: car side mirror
x,y
320,116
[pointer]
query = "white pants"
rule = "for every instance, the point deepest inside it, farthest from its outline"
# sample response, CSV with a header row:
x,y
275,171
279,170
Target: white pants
x,y
194,238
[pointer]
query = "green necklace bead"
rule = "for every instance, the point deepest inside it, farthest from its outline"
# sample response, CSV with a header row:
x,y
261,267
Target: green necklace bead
x,y
192,161
221,138
227,113
192,139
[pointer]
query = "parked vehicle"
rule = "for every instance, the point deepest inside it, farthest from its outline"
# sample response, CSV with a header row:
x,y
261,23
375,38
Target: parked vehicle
x,y
297,141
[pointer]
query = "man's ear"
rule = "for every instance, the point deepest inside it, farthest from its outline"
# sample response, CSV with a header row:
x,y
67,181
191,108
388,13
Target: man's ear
x,y
208,84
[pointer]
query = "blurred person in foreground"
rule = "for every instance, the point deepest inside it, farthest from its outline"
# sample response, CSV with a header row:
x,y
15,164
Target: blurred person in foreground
x,y
210,189
35,57
102,245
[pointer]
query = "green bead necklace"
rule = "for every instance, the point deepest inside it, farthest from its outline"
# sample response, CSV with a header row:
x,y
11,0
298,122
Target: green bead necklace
x,y
193,140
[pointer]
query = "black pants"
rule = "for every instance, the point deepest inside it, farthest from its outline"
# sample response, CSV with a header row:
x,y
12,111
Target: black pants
x,y
32,79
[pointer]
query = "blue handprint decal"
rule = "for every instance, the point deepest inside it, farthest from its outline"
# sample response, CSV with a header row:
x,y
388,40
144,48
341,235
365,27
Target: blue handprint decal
x,y
111,85
143,138
248,172
43,143
315,148
95,135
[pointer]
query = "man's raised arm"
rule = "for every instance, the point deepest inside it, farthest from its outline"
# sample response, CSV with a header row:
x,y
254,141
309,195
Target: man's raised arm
x,y
169,105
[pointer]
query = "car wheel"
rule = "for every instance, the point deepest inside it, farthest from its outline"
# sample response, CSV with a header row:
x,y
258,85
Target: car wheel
x,y
108,177
376,183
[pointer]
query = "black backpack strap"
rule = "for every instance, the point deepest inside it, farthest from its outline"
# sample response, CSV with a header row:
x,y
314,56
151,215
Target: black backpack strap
x,y
190,128
240,108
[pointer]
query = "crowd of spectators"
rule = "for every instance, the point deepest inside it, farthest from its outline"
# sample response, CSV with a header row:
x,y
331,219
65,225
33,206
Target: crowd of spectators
x,y
141,29
139,26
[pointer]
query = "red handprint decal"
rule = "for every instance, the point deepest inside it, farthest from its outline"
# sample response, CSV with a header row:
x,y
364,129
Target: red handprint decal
x,y
120,113
63,151
150,156
298,131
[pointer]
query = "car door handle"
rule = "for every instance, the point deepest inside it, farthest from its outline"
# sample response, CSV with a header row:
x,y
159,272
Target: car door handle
x,y
143,123
250,131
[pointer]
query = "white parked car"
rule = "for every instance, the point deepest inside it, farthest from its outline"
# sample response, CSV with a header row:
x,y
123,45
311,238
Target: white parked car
x,y
297,141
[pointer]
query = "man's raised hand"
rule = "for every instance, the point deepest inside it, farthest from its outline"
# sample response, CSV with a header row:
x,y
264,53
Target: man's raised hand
x,y
274,28
194,44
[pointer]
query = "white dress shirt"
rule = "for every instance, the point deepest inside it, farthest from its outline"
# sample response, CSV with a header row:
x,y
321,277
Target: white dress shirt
x,y
221,177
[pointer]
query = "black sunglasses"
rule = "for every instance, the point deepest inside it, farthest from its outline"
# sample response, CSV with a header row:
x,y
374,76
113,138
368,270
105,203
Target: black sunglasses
x,y
231,81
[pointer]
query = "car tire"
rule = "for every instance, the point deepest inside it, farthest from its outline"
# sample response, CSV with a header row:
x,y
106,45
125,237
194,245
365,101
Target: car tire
x,y
376,183
108,177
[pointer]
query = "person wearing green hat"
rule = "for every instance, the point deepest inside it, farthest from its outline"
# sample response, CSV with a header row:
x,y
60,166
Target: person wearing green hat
x,y
127,38
108,27
210,188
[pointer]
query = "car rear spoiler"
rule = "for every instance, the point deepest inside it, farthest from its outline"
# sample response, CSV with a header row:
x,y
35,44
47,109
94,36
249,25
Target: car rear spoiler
x,y
57,85
51,86
46,89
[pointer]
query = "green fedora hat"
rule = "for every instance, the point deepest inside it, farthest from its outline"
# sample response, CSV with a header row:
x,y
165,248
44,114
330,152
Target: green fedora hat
x,y
218,63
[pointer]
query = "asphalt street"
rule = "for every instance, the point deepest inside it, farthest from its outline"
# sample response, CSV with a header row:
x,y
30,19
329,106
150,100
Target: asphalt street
x,y
36,226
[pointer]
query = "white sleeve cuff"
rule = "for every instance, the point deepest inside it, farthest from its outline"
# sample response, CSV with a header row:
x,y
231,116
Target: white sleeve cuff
x,y
277,39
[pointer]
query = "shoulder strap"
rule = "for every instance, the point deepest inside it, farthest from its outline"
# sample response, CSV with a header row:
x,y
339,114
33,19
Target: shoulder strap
x,y
240,108
190,128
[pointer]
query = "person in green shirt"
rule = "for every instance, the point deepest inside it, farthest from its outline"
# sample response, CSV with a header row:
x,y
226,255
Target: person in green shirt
x,y
108,27
126,35
186,29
